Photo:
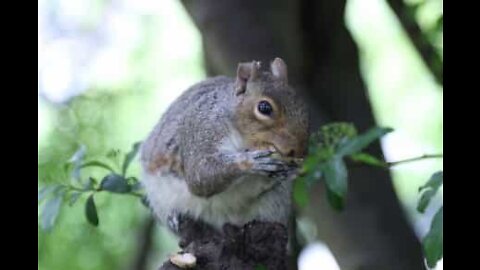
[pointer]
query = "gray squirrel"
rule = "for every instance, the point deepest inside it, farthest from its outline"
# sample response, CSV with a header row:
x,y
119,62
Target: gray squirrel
x,y
222,151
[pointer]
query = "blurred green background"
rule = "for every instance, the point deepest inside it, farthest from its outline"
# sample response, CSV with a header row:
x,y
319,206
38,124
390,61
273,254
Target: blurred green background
x,y
108,69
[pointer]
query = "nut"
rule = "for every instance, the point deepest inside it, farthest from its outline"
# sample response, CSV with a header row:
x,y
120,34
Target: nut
x,y
183,260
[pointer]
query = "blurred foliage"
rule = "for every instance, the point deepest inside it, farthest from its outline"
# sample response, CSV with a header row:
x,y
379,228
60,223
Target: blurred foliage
x,y
70,189
328,149
433,241
136,58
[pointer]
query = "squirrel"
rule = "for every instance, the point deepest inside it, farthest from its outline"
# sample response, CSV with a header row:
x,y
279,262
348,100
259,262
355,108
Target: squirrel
x,y
212,154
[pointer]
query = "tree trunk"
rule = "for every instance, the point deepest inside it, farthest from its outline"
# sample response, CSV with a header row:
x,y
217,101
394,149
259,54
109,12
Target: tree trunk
x,y
372,232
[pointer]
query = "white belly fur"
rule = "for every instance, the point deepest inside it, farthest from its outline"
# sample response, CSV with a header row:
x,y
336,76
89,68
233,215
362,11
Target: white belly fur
x,y
238,204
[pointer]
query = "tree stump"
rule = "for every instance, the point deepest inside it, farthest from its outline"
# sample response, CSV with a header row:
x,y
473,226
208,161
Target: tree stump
x,y
247,247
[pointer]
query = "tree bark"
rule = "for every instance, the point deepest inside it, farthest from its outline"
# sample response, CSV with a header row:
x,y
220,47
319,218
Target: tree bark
x,y
247,247
372,232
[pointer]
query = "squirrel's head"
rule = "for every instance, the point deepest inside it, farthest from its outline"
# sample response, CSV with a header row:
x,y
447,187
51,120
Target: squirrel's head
x,y
269,112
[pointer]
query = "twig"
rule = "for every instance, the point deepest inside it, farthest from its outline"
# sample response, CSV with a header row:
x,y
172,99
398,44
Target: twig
x,y
394,163
430,56
138,195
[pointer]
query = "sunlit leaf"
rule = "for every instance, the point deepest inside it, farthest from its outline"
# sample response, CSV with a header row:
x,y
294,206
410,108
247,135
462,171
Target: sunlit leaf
x,y
429,190
74,197
435,181
360,142
129,157
79,154
91,211
50,212
76,160
47,190
115,183
433,241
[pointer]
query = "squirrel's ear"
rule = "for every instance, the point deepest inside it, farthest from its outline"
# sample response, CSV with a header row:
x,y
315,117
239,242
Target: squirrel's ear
x,y
245,72
279,69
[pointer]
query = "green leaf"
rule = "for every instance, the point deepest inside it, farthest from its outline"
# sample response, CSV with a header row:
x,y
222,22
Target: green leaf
x,y
129,157
300,192
310,162
429,190
137,186
433,241
335,201
79,154
358,143
90,185
314,176
55,189
96,163
76,160
144,201
74,197
50,212
115,183
332,134
425,200
335,173
47,190
113,154
435,181
91,211
368,159
439,24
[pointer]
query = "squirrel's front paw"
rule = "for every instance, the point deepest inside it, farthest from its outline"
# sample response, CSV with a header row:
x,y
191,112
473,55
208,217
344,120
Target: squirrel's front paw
x,y
262,163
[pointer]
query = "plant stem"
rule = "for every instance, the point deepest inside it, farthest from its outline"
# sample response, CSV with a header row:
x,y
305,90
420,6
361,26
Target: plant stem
x,y
394,163
99,190
75,188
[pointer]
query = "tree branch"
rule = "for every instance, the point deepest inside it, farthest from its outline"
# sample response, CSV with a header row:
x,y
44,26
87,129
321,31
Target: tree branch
x,y
428,53
248,247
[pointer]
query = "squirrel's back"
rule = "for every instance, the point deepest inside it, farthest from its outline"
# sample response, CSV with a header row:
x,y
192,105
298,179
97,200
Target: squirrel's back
x,y
164,138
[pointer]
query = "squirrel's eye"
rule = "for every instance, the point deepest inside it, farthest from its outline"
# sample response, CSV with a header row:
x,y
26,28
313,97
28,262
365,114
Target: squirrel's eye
x,y
265,107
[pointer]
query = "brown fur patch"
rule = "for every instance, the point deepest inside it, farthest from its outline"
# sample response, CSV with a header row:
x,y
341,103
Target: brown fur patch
x,y
244,165
170,163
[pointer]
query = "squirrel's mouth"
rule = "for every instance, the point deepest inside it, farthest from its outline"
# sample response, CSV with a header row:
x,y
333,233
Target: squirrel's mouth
x,y
274,148
279,154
